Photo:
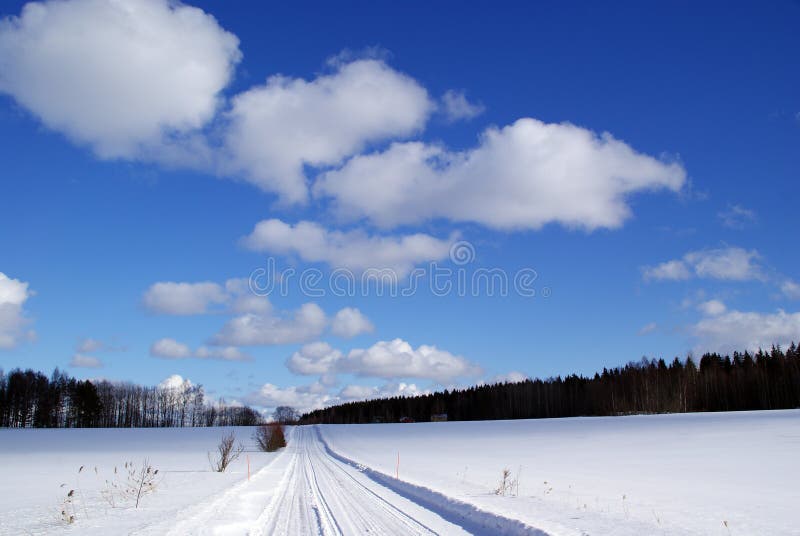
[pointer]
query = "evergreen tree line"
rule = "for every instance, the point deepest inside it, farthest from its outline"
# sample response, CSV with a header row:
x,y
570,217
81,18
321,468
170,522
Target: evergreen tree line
x,y
760,381
32,400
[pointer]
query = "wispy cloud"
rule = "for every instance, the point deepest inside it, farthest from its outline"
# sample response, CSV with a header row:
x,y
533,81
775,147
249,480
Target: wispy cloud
x,y
736,217
171,349
85,361
647,328
731,263
456,107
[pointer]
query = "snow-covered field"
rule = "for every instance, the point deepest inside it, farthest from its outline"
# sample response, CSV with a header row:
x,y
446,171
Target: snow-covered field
x,y
725,473
655,474
35,464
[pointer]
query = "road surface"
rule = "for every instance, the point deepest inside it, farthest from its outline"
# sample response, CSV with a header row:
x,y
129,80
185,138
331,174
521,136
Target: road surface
x,y
322,495
308,491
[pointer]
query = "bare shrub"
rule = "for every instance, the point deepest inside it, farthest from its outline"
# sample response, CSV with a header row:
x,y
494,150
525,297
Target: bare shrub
x,y
227,452
140,481
261,436
136,482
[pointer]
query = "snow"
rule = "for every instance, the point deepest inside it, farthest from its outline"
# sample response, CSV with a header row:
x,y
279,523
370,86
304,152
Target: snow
x,y
35,463
657,474
723,473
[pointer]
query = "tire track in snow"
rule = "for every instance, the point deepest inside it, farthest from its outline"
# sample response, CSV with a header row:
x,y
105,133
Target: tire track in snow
x,y
323,496
466,516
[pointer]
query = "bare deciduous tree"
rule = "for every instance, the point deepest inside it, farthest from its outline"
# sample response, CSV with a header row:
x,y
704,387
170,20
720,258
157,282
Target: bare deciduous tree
x,y
285,415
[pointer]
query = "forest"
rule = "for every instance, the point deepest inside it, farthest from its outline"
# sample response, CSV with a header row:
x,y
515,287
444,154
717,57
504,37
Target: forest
x,y
744,381
32,400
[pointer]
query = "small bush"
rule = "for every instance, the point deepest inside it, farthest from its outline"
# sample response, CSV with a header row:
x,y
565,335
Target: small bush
x,y
508,485
277,440
270,437
227,452
140,482
133,485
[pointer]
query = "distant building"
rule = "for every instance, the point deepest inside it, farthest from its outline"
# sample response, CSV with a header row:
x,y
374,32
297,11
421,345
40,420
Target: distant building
x,y
439,417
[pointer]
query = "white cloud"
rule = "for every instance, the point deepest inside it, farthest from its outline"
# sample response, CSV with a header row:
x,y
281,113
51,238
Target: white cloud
x,y
522,176
674,270
302,398
316,358
183,298
256,322
398,359
349,322
175,382
385,359
171,349
712,307
314,396
456,106
143,79
648,328
791,289
276,129
738,330
251,329
358,392
355,250
123,77
736,217
82,359
89,345
351,392
727,263
731,263
85,361
13,291
13,322
244,300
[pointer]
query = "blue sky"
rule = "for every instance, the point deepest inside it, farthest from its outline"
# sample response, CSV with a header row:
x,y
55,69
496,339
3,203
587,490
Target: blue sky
x,y
642,160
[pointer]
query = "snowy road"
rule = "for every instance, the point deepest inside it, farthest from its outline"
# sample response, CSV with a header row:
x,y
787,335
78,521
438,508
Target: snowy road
x,y
322,495
310,490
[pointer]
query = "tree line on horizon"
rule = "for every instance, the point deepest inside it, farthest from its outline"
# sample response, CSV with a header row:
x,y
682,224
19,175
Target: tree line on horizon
x,y
763,380
30,399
